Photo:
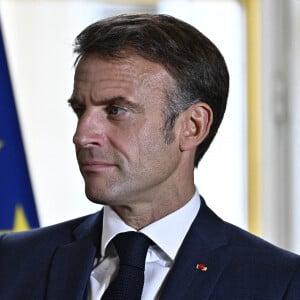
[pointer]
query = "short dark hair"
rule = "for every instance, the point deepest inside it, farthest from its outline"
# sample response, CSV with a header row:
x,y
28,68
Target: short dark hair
x,y
194,62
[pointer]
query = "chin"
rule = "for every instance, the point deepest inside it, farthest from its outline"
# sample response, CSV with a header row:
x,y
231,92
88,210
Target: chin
x,y
99,198
95,199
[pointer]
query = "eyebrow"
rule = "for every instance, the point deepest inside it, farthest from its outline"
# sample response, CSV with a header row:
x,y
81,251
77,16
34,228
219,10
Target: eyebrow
x,y
118,100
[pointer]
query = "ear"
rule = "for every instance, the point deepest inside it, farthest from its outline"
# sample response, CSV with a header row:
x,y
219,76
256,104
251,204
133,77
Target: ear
x,y
196,124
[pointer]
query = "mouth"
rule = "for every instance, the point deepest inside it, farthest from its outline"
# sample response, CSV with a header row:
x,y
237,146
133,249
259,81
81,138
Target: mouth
x,y
95,166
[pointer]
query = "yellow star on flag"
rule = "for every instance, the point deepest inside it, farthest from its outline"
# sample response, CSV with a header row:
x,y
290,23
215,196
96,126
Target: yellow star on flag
x,y
20,221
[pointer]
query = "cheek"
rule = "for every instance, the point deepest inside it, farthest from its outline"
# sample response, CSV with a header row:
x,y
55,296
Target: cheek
x,y
140,142
128,141
149,136
152,148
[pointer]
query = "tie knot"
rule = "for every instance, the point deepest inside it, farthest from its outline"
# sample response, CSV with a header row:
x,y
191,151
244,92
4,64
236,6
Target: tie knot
x,y
132,248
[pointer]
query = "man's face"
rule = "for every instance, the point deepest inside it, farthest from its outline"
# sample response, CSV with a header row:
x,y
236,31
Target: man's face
x,y
119,140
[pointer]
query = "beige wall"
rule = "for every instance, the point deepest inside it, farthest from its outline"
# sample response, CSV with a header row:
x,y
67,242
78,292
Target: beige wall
x,y
281,126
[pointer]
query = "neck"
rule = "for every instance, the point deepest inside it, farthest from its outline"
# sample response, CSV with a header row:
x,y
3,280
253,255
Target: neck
x,y
143,213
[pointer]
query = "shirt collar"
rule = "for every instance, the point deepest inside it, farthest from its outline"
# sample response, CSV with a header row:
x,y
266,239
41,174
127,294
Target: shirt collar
x,y
167,233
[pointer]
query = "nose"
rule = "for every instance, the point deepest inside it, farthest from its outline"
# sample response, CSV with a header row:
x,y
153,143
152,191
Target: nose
x,y
89,131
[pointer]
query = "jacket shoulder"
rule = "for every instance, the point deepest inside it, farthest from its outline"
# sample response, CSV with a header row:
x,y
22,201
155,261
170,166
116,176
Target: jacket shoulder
x,y
44,238
267,268
248,242
26,257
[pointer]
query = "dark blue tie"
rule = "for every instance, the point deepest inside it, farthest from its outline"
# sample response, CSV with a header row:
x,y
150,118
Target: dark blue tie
x,y
132,250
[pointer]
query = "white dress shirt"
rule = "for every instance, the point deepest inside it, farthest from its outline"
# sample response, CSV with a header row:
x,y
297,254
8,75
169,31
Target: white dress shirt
x,y
167,234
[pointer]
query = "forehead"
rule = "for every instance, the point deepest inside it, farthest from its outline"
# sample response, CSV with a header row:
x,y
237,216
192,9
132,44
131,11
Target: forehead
x,y
131,74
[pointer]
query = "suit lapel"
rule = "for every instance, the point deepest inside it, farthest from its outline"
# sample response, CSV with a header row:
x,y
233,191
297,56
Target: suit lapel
x,y
72,263
204,245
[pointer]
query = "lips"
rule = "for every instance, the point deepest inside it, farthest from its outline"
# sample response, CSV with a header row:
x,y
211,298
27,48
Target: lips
x,y
94,166
91,159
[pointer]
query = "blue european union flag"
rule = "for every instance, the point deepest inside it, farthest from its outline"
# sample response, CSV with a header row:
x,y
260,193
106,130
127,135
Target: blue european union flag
x,y
17,207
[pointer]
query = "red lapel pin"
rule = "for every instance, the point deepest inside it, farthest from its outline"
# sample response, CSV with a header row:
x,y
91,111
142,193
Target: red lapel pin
x,y
201,267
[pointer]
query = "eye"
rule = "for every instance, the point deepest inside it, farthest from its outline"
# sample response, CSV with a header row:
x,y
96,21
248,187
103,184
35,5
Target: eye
x,y
116,111
78,110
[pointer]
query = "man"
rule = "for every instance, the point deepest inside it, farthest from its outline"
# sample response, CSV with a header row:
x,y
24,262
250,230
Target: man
x,y
150,92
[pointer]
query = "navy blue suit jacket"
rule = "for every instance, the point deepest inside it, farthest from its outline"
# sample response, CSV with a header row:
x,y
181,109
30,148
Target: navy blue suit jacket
x,y
55,263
